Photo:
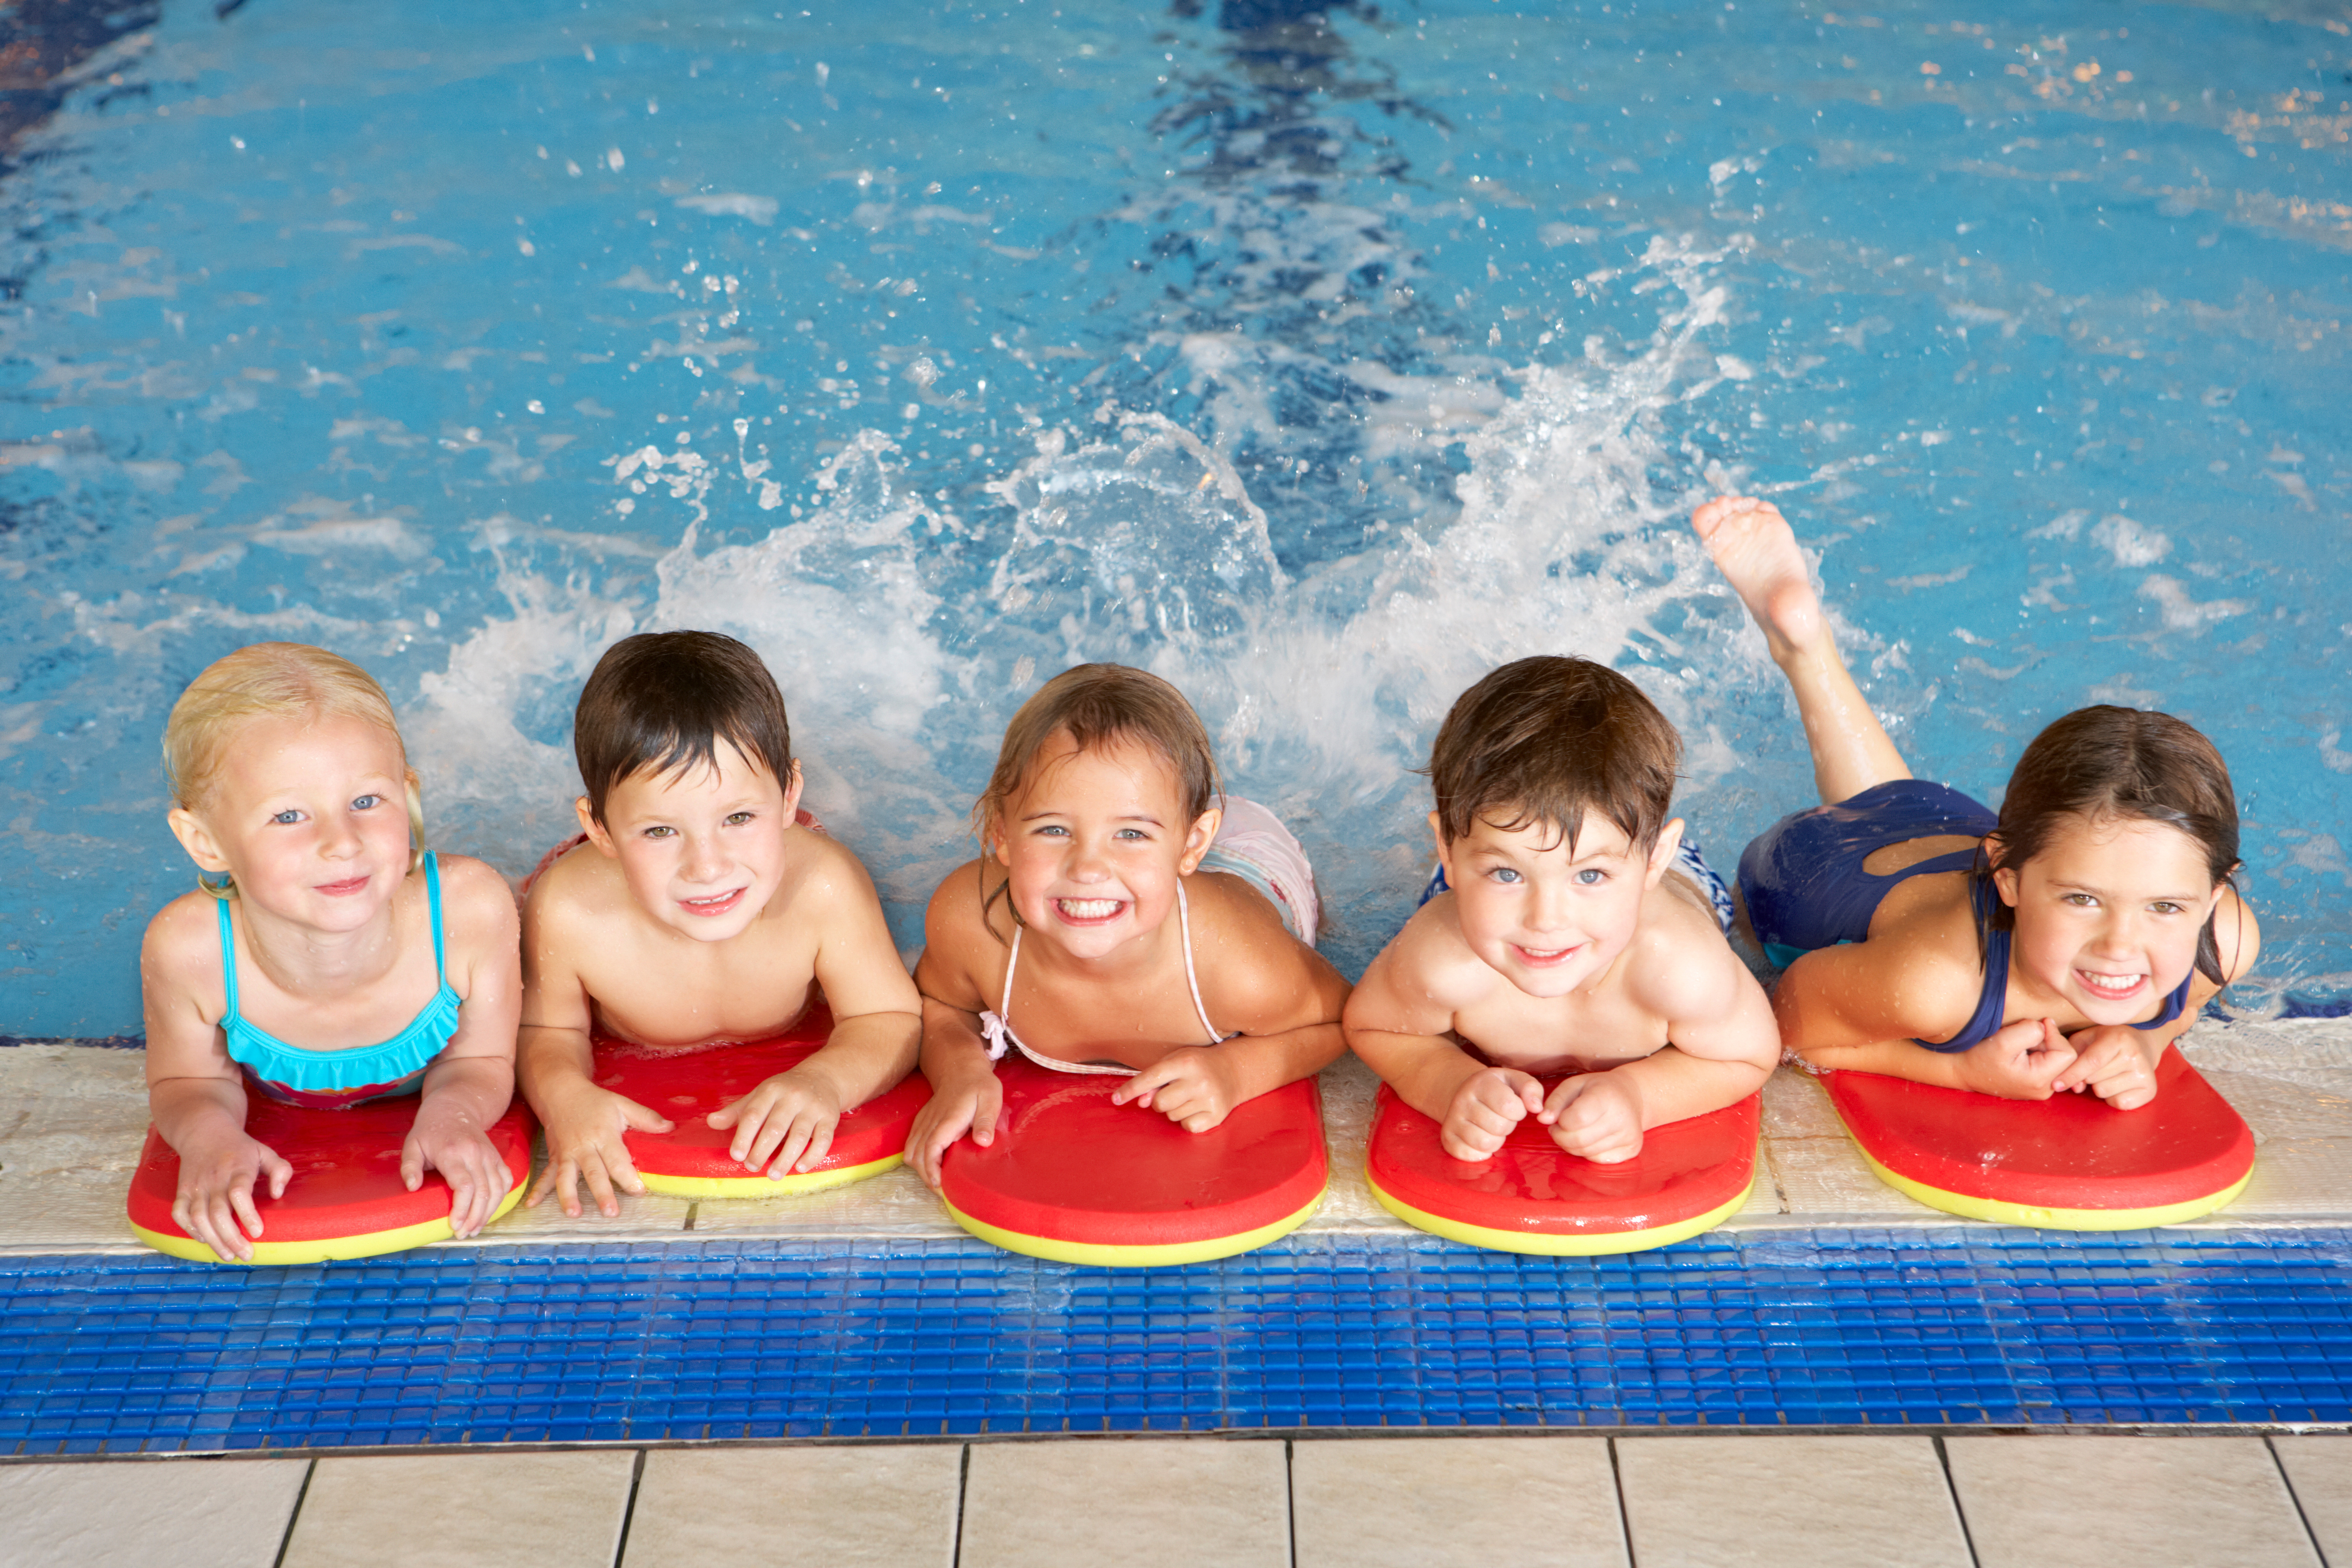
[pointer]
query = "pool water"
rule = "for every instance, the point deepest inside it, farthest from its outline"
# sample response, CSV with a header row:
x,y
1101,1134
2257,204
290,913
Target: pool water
x,y
1319,360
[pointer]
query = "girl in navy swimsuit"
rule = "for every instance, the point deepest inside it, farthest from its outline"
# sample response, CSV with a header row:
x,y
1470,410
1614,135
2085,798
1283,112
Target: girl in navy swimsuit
x,y
2060,944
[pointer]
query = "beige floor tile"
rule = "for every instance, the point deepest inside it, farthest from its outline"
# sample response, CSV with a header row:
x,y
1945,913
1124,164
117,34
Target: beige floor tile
x,y
72,1120
2262,1047
2319,1467
1139,1503
1348,1088
1455,1502
171,1513
463,1510
797,1508
2307,1176
2289,1107
895,1203
1824,1502
2152,1502
1828,1177
1797,1106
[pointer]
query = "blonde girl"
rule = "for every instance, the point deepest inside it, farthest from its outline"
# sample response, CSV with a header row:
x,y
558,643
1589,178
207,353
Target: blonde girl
x,y
326,958
1124,920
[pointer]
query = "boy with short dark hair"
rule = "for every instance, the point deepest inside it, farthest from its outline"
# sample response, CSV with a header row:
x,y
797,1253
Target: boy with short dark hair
x,y
1572,927
699,904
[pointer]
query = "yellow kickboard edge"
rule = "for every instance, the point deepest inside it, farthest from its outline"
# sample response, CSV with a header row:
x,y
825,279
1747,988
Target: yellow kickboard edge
x,y
766,1186
1582,1243
326,1249
2043,1217
1105,1255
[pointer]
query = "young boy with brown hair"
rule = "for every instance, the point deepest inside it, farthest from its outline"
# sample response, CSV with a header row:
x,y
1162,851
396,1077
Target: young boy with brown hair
x,y
1572,928
699,905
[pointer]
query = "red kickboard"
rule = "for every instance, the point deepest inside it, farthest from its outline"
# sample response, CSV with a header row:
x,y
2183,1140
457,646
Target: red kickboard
x,y
346,1179
688,1086
2071,1151
1533,1187
1067,1165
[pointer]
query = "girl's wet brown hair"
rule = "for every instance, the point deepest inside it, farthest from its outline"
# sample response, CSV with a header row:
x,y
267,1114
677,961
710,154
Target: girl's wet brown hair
x,y
2106,765
1098,705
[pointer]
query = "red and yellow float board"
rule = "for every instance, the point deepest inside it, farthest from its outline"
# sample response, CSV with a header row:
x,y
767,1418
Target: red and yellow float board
x,y
2068,1162
1074,1178
1535,1197
691,1160
345,1198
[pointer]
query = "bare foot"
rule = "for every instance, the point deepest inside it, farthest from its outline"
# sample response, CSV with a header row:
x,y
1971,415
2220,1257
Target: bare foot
x,y
1756,553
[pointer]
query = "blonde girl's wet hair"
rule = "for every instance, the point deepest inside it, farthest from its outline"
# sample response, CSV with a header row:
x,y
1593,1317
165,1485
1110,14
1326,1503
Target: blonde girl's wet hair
x,y
272,680
1099,705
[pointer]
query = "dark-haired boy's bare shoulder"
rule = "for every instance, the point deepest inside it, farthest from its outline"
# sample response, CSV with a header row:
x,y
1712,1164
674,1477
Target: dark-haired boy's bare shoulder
x,y
1431,954
1680,965
822,875
583,888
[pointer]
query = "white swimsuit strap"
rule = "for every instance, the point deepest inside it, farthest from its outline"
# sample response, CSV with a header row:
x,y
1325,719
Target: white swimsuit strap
x,y
1184,918
996,1027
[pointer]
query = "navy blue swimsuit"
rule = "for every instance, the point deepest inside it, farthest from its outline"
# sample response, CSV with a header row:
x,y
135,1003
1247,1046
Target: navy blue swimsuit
x,y
1806,888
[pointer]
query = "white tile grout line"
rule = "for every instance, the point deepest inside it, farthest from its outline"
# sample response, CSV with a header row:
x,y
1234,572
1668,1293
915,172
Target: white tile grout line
x,y
2271,1446
301,1494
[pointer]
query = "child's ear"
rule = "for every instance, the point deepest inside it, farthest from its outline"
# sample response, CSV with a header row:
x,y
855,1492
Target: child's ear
x,y
1444,850
196,839
1197,841
1663,853
792,786
598,833
2005,877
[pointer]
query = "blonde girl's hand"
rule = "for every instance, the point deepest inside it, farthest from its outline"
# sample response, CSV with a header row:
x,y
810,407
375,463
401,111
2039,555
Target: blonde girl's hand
x,y
1487,1105
215,1201
2115,1063
1191,1086
2018,1061
444,1138
1596,1116
971,1104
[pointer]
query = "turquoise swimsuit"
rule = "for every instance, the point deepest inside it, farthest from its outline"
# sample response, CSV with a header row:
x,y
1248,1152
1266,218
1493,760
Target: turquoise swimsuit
x,y
334,1080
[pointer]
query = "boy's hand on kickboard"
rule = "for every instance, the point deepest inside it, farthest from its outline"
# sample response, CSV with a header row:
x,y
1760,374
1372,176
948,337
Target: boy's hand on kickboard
x,y
2018,1061
971,1105
790,1117
444,1138
2112,1062
1490,1102
1596,1116
584,1124
214,1202
1189,1086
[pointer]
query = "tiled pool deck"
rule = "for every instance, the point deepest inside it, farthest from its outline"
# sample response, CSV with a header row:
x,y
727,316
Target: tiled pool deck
x,y
675,1386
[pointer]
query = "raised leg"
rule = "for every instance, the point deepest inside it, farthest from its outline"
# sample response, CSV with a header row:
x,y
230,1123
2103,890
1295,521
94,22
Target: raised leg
x,y
1756,553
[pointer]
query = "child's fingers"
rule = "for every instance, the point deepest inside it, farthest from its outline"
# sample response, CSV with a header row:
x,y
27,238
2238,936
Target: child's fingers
x,y
1138,1089
792,1140
1570,1091
643,1118
600,1186
279,1171
411,1164
820,1144
248,1218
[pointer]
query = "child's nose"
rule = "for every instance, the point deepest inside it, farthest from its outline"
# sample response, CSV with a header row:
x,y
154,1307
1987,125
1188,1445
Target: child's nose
x,y
701,860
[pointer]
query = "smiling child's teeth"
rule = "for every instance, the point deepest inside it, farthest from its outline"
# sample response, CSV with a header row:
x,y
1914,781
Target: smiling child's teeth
x,y
1089,909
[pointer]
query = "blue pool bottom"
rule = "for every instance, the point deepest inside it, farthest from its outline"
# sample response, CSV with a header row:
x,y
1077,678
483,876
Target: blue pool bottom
x,y
697,1340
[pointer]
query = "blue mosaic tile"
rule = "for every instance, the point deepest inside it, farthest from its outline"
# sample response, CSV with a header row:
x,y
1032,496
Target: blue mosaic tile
x,y
722,1340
